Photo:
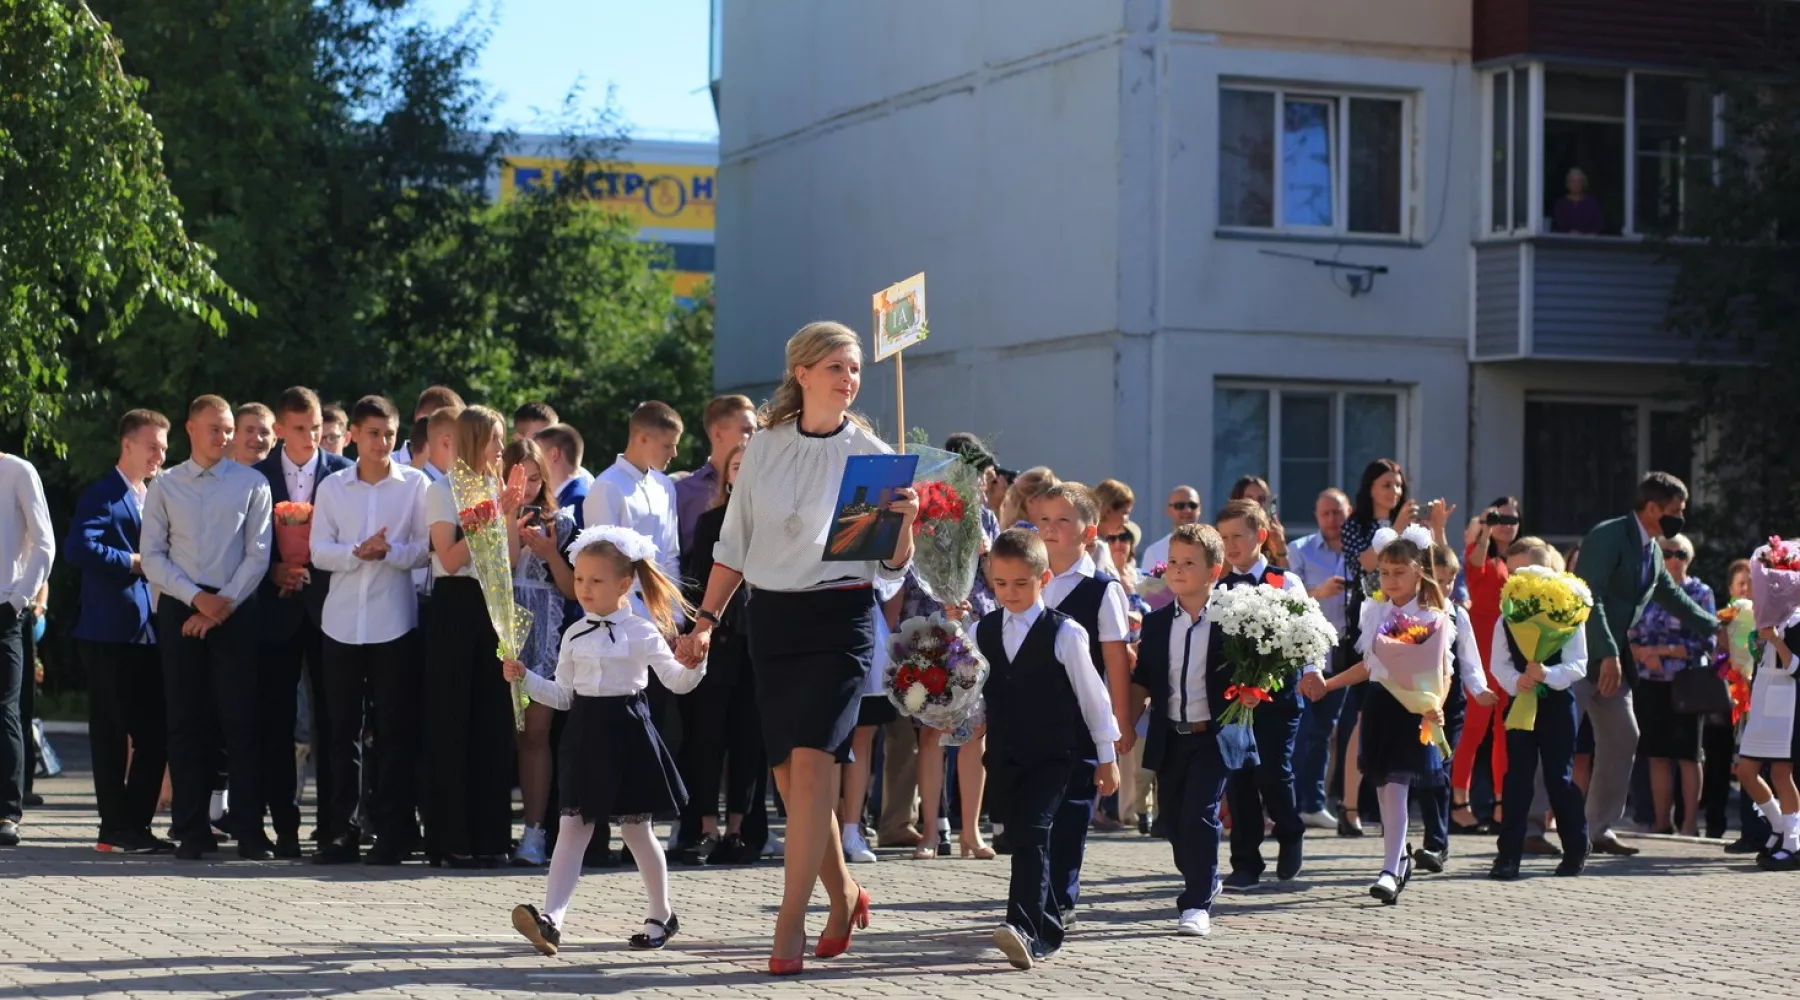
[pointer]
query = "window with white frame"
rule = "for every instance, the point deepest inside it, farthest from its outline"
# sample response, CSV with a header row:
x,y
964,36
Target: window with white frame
x,y
1302,438
1310,161
1613,152
1583,458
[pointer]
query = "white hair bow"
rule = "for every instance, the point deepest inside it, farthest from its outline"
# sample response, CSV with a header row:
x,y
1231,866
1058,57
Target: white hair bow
x,y
1417,534
633,545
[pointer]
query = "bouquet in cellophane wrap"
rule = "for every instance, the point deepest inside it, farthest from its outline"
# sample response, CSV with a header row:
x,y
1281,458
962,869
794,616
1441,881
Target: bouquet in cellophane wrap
x,y
1154,589
1542,609
1737,654
1775,582
1409,656
292,521
479,511
1270,635
936,672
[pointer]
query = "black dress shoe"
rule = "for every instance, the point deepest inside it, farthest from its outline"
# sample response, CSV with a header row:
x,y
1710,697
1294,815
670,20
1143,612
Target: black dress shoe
x,y
1504,870
1571,865
385,855
1002,844
537,929
697,852
1144,821
730,850
339,850
194,850
9,833
287,846
1611,845
1287,865
1431,861
644,942
33,800
1744,845
255,852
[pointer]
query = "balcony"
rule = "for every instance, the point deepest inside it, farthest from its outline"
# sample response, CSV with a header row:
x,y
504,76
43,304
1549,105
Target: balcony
x,y
1573,298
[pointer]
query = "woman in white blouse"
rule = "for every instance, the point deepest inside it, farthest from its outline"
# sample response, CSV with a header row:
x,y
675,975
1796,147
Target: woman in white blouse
x,y
811,623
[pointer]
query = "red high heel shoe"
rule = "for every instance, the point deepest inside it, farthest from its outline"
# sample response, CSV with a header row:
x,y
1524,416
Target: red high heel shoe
x,y
859,920
786,966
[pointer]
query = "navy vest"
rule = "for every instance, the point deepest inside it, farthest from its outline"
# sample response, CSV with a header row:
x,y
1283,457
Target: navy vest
x,y
1083,604
1518,659
1032,711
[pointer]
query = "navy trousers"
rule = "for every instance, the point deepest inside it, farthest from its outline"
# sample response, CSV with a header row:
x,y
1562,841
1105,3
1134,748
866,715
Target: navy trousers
x,y
1267,787
1190,785
1553,742
1035,795
1068,834
1312,748
1434,802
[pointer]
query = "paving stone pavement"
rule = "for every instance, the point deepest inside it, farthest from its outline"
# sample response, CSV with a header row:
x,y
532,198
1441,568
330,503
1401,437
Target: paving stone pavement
x,y
1673,922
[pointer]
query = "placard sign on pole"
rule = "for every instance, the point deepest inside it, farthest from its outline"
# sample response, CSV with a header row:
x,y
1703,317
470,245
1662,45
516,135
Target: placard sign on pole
x,y
899,311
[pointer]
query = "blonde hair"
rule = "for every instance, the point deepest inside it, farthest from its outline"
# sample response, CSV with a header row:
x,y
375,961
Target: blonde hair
x,y
1540,552
812,344
476,427
1028,486
662,597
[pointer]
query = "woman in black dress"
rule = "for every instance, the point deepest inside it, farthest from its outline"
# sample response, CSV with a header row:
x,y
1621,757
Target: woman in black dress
x,y
812,628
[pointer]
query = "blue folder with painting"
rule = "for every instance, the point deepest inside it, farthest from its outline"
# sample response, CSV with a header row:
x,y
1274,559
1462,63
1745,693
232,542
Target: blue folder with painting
x,y
862,529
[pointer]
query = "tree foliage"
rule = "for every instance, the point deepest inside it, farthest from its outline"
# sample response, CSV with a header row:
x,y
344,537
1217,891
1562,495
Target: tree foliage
x,y
1737,294
89,228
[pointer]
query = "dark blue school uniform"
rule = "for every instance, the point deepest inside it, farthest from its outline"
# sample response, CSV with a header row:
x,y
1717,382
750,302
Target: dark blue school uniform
x,y
1552,741
1068,837
1191,759
1267,784
1037,743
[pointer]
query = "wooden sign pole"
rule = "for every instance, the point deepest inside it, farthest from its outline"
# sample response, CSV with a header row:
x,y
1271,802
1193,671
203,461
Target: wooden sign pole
x,y
912,290
900,401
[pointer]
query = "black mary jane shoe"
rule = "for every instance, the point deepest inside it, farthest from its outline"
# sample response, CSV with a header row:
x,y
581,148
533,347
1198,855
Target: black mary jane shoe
x,y
1466,829
536,928
644,942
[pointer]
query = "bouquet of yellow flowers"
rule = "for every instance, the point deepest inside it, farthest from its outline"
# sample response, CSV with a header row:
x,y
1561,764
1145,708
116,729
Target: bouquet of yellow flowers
x,y
1542,609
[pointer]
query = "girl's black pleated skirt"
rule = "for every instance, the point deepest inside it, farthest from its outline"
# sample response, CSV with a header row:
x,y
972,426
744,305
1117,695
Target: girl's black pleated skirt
x,y
1391,751
613,762
812,651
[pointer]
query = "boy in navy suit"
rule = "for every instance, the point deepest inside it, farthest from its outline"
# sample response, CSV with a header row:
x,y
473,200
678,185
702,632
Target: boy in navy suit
x,y
292,605
1181,670
117,639
1049,718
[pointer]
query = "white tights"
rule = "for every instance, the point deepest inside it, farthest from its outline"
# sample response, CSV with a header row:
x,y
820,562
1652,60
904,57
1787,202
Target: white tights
x,y
1392,799
571,846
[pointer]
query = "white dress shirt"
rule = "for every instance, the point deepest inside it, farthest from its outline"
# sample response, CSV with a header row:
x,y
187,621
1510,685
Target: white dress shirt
x,y
27,547
1154,553
610,656
371,600
1072,653
642,501
440,508
299,477
137,488
206,528
1558,676
1114,626
1462,647
1290,582
1189,642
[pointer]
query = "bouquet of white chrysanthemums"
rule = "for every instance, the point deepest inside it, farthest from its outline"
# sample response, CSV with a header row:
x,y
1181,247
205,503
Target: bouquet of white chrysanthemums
x,y
1270,634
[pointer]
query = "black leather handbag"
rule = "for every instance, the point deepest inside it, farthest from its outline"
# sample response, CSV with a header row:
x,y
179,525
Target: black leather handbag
x,y
1700,691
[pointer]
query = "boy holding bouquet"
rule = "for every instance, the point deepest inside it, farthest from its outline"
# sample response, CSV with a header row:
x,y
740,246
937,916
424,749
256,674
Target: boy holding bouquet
x,y
1181,671
1049,720
1549,737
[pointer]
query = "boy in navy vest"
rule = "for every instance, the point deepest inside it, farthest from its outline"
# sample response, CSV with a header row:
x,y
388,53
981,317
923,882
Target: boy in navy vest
x,y
1049,720
1181,670
1266,785
1551,740
1067,518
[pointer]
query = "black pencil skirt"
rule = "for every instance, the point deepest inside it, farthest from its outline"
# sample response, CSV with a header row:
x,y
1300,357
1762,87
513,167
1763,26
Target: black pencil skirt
x,y
812,652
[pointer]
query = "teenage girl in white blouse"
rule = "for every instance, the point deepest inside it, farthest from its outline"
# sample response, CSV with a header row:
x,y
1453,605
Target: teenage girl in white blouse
x,y
613,761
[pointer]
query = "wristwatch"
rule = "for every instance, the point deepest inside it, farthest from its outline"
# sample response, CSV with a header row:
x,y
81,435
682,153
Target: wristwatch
x,y
708,615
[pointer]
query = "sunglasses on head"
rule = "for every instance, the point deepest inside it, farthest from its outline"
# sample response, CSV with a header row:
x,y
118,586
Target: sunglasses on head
x,y
1123,536
1184,505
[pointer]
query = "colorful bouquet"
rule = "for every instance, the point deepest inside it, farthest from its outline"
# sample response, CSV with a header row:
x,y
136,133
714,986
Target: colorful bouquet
x,y
1270,634
1154,589
1737,654
934,671
947,534
1775,582
293,532
1542,609
1411,656
477,499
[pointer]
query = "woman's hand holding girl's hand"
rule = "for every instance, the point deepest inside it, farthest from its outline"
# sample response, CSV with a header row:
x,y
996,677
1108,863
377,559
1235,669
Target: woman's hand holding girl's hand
x,y
513,669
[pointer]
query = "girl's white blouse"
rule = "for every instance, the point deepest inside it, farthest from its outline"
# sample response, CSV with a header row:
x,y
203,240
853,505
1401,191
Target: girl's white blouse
x,y
596,662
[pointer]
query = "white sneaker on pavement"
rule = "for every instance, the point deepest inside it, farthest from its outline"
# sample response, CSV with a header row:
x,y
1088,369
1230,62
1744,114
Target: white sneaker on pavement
x,y
1321,820
531,847
856,849
1194,923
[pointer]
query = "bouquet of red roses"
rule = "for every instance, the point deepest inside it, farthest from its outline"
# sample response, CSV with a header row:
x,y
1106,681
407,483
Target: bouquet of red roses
x,y
293,532
479,517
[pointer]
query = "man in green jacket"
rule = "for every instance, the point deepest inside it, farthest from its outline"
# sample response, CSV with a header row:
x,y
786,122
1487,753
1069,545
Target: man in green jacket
x,y
1622,564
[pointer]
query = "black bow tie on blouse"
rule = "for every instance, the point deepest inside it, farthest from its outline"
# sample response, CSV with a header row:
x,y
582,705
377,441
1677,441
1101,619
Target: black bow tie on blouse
x,y
593,625
1233,579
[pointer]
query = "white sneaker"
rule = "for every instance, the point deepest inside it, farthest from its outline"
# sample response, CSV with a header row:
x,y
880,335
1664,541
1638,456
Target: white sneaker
x,y
772,847
1194,923
1321,820
856,849
531,847
1013,945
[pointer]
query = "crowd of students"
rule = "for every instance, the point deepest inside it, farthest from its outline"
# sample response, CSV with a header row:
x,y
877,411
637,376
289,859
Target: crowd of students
x,y
649,681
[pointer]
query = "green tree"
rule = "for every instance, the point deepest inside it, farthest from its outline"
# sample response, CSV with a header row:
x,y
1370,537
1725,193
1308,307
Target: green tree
x,y
89,228
1737,295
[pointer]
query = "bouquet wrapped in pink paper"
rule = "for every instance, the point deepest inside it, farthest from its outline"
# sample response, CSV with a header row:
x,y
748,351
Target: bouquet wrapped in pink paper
x,y
1410,657
1775,582
1154,589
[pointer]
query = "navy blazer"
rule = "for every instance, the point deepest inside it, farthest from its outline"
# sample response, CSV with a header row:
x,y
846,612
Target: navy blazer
x,y
1237,744
103,536
280,616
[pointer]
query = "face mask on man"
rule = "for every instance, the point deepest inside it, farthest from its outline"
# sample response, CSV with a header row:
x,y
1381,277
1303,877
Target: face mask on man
x,y
1671,524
